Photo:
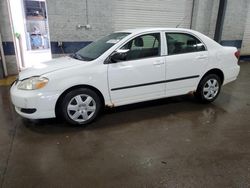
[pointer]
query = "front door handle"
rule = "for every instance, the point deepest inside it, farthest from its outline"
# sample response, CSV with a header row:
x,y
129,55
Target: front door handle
x,y
202,57
157,63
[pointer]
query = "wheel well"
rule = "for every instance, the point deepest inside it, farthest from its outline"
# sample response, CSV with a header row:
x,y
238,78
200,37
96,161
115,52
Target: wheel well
x,y
218,72
77,87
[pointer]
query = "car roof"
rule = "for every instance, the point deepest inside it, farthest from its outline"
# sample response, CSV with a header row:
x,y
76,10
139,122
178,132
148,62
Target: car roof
x,y
208,41
148,29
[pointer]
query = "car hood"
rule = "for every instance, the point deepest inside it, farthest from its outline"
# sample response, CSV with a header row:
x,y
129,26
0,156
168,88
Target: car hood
x,y
49,66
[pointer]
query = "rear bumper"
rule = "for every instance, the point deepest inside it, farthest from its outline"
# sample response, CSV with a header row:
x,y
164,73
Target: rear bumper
x,y
231,74
34,104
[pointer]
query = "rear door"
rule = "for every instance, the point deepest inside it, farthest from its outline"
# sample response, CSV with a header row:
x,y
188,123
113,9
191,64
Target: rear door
x,y
139,77
186,61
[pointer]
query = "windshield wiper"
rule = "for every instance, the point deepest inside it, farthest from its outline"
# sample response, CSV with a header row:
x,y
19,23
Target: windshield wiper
x,y
76,56
79,57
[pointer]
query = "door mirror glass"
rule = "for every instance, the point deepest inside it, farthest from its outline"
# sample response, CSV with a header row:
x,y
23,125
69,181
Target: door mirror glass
x,y
119,55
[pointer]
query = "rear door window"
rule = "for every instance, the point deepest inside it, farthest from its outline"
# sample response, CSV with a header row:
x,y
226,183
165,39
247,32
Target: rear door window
x,y
179,43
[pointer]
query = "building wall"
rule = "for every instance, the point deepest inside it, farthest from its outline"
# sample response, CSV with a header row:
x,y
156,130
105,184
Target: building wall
x,y
5,22
205,16
5,31
235,19
154,13
64,17
245,48
234,22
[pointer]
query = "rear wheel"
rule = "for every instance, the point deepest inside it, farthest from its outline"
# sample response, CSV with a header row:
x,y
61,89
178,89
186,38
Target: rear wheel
x,y
80,106
208,88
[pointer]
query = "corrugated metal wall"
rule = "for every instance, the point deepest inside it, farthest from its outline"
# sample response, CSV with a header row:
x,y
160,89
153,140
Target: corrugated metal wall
x,y
154,13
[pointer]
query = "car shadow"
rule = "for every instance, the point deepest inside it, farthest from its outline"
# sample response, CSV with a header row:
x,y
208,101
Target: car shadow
x,y
124,115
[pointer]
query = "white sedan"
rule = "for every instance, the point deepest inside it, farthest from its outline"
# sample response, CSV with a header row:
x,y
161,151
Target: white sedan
x,y
122,68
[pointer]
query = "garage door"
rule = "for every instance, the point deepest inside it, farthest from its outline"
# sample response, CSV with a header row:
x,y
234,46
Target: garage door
x,y
245,48
154,13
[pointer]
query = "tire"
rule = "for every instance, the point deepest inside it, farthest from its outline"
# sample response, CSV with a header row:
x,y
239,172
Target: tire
x,y
80,106
208,88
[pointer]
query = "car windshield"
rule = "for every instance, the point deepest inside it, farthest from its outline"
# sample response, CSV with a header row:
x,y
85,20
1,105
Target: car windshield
x,y
97,48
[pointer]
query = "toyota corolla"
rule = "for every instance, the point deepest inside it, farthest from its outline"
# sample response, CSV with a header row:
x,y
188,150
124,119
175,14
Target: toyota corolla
x,y
122,68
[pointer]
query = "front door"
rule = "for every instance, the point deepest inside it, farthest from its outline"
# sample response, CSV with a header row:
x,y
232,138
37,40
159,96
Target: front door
x,y
139,76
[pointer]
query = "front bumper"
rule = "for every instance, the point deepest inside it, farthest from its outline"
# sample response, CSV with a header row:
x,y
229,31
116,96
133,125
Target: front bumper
x,y
42,101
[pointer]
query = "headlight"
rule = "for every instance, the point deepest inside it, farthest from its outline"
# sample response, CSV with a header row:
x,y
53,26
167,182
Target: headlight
x,y
33,83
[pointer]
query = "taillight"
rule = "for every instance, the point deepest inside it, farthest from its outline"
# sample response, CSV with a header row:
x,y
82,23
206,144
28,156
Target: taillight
x,y
237,54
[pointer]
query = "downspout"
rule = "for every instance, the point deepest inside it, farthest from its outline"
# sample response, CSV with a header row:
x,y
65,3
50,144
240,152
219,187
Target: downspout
x,y
220,20
87,12
87,25
192,14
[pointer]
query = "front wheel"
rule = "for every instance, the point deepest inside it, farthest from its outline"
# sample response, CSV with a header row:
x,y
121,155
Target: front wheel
x,y
208,88
80,106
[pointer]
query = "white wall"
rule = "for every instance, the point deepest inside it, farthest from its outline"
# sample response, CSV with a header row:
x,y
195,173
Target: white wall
x,y
154,13
205,16
65,15
235,19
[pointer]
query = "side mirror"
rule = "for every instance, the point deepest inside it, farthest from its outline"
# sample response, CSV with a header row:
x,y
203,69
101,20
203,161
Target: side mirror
x,y
119,55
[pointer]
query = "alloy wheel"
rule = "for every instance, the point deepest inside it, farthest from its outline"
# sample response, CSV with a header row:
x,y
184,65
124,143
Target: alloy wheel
x,y
211,89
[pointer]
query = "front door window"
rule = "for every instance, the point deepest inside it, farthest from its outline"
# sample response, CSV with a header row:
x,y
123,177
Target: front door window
x,y
143,46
